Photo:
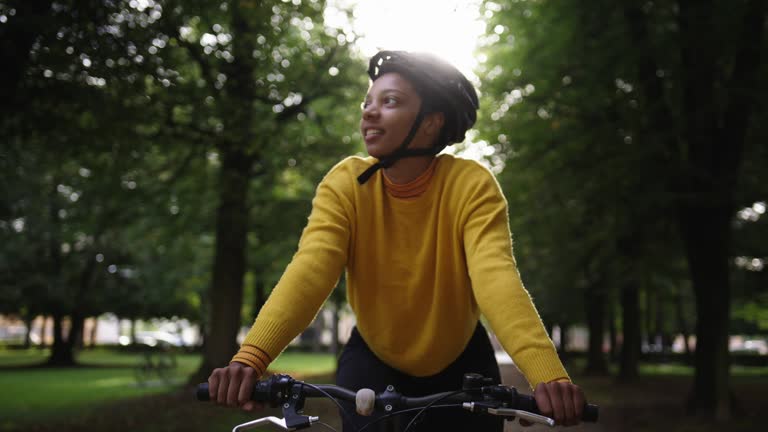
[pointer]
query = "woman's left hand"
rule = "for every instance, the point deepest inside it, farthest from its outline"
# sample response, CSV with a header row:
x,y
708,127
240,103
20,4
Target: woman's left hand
x,y
562,401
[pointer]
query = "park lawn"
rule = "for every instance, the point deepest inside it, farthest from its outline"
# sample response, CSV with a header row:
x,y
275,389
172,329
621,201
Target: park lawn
x,y
301,365
39,394
21,357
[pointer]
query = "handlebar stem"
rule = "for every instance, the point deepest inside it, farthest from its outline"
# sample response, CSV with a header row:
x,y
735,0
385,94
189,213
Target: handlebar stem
x,y
389,400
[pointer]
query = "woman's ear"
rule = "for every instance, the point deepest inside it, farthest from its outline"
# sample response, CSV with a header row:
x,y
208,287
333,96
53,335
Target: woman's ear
x,y
433,123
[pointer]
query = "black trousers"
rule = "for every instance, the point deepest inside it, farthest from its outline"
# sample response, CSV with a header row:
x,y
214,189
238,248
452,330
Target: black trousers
x,y
360,368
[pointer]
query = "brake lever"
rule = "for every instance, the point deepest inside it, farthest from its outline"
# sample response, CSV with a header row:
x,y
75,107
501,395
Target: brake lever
x,y
508,412
253,423
280,422
531,417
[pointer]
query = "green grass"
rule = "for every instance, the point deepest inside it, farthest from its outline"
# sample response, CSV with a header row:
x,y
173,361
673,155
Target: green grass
x,y
304,364
55,392
44,394
675,369
18,357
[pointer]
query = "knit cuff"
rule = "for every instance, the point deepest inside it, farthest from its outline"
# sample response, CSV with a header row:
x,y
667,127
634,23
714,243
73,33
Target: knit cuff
x,y
254,357
263,343
538,366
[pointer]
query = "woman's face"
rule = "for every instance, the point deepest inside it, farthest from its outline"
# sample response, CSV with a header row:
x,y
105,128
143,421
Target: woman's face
x,y
389,110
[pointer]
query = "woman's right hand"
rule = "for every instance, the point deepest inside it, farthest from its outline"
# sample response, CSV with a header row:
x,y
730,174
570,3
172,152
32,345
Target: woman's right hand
x,y
233,385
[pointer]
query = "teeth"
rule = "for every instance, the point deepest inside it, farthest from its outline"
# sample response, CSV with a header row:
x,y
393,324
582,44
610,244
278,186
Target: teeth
x,y
369,132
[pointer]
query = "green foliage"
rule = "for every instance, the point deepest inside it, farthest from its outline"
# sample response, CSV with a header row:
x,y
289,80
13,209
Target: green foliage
x,y
574,173
112,150
591,175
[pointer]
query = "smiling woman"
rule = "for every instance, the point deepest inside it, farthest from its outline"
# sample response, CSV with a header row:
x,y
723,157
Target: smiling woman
x,y
449,29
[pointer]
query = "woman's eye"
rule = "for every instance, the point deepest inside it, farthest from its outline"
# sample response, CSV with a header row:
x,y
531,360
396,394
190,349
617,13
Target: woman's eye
x,y
386,100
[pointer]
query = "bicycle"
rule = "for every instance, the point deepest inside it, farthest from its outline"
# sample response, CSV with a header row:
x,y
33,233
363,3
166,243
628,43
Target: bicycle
x,y
156,366
478,395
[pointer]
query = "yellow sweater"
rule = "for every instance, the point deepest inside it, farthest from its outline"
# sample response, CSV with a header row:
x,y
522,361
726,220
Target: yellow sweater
x,y
419,272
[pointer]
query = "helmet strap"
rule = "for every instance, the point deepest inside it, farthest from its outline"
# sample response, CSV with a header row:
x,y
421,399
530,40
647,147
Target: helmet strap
x,y
402,152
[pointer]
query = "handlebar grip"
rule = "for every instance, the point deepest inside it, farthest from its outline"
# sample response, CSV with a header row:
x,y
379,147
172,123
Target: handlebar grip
x,y
201,393
262,392
590,413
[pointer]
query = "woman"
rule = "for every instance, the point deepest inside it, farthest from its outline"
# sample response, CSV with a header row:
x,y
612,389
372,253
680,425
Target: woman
x,y
425,241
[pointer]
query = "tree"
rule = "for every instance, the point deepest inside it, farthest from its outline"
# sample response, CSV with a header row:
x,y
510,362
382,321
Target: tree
x,y
137,122
625,86
265,71
583,227
707,152
80,161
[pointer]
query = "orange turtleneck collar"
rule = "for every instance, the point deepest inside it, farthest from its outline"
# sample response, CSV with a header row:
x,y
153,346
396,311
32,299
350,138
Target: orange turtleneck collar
x,y
413,188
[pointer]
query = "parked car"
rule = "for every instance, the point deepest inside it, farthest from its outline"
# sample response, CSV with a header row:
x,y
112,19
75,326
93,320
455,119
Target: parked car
x,y
750,346
154,338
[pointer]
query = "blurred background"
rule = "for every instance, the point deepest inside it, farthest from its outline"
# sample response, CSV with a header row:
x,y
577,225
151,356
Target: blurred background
x,y
158,161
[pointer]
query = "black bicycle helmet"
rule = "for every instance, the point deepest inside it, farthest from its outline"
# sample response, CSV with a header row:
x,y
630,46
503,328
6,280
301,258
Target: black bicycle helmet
x,y
442,88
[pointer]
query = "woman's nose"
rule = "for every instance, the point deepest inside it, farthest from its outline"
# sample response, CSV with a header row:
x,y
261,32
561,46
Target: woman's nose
x,y
370,111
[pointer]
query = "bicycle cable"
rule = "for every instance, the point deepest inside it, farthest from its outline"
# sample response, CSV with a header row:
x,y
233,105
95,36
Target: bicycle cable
x,y
427,406
420,410
405,411
342,410
327,426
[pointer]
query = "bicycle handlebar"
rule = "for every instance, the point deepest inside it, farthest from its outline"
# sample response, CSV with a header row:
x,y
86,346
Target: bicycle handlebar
x,y
477,391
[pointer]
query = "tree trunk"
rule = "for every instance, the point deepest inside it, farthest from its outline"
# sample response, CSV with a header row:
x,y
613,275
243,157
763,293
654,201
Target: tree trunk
x,y
707,235
75,337
319,326
595,312
44,331
661,335
61,352
76,332
237,159
716,137
629,360
612,332
59,356
226,291
28,320
682,325
646,330
335,346
94,331
132,330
